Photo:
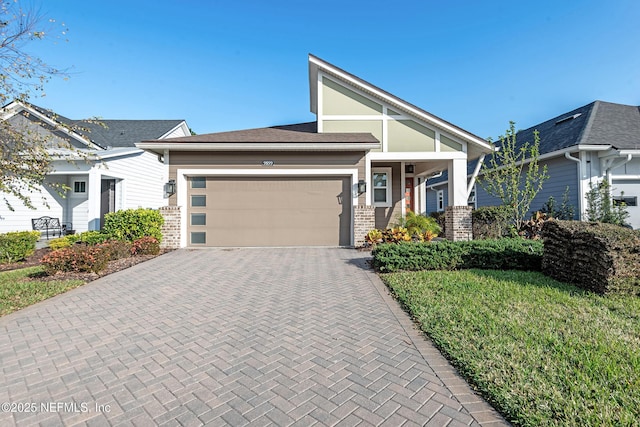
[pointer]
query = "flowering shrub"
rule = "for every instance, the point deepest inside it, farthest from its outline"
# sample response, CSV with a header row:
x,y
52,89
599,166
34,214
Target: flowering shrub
x,y
146,246
76,259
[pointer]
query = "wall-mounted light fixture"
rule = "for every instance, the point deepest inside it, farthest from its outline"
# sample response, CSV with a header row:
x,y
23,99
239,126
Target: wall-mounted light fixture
x,y
362,186
170,188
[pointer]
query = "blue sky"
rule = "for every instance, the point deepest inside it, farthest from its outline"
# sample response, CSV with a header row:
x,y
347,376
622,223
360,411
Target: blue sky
x,y
227,65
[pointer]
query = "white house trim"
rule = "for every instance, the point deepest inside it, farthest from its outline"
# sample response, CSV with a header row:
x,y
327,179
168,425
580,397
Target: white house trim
x,y
182,174
415,156
395,102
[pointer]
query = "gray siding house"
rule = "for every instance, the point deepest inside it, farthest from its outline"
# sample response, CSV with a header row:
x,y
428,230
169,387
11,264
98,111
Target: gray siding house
x,y
597,141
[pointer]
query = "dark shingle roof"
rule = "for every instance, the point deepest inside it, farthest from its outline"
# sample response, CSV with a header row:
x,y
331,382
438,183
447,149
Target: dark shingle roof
x,y
114,133
597,123
296,133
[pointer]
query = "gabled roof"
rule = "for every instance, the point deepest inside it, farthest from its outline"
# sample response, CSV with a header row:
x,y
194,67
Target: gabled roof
x,y
316,64
301,136
107,133
597,123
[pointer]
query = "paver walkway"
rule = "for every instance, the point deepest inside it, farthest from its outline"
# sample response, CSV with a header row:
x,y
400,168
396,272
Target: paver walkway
x,y
230,337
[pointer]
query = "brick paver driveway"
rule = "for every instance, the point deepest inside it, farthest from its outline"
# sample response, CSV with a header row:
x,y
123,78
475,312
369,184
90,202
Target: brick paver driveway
x,y
229,337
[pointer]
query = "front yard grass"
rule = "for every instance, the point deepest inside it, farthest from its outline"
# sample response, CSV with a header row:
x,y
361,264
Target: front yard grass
x,y
21,288
542,352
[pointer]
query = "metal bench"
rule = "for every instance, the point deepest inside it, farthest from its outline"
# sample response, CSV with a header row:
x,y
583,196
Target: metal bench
x,y
46,225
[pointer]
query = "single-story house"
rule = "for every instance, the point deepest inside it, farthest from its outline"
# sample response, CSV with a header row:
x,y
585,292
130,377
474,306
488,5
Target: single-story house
x,y
580,148
104,171
360,165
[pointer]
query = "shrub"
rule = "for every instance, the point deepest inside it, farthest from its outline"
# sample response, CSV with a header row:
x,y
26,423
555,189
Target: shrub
x,y
439,218
116,249
16,246
490,222
133,224
64,242
93,237
76,259
146,246
373,237
418,225
501,254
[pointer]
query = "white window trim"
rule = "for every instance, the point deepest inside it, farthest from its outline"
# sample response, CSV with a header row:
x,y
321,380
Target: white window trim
x,y
440,200
473,198
387,202
78,182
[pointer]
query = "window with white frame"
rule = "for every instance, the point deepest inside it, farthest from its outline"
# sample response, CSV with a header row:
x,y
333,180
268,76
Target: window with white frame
x,y
79,186
381,183
440,200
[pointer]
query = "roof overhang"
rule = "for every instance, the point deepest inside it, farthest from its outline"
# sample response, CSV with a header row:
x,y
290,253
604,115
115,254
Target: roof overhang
x,y
160,147
317,65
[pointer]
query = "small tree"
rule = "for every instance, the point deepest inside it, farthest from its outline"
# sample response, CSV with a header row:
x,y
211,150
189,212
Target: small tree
x,y
25,159
565,211
513,175
600,206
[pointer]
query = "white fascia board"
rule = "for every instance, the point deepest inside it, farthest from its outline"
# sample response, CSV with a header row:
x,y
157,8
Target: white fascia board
x,y
416,156
211,146
117,152
399,103
56,125
634,153
182,124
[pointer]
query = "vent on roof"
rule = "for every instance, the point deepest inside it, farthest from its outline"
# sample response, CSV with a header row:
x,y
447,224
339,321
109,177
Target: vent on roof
x,y
566,119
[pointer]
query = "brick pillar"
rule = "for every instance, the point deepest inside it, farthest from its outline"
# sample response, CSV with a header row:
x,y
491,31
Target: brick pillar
x,y
458,224
364,220
171,227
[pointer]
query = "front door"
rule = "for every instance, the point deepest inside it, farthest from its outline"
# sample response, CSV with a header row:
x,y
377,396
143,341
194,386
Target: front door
x,y
107,198
408,193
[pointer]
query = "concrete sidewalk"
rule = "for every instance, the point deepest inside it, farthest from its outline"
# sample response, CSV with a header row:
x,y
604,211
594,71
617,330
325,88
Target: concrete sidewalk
x,y
230,337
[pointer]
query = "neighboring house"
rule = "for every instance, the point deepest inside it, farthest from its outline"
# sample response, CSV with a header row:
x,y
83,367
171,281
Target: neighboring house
x,y
106,172
360,165
598,141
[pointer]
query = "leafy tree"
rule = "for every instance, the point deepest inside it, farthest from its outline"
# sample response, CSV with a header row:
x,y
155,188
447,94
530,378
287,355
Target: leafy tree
x,y
513,175
600,206
25,151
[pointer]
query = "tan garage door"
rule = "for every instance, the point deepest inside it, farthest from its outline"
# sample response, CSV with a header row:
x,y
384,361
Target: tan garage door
x,y
269,211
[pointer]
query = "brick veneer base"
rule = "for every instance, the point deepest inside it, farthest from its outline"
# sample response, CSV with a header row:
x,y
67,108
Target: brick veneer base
x,y
364,220
458,223
171,227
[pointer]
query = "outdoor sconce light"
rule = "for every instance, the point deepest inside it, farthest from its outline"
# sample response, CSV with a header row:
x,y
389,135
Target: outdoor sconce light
x,y
362,187
170,188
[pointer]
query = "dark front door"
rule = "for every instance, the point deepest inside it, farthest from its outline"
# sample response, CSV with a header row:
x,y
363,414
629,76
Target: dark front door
x,y
107,198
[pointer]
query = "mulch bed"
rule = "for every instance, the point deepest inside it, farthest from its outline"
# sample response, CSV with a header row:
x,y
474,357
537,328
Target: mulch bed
x,y
112,267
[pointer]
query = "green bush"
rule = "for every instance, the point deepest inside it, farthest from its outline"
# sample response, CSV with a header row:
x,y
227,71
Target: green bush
x,y
93,237
501,254
16,246
490,222
77,259
64,242
133,224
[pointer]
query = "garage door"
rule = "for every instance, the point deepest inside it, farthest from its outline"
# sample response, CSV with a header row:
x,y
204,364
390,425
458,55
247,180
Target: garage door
x,y
269,211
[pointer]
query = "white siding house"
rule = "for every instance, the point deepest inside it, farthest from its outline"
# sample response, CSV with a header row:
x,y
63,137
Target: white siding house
x,y
111,173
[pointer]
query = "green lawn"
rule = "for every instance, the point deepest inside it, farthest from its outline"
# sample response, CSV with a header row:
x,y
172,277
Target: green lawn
x,y
542,352
21,288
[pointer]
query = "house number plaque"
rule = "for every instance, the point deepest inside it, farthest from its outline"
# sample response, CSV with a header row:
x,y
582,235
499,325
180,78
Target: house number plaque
x,y
267,163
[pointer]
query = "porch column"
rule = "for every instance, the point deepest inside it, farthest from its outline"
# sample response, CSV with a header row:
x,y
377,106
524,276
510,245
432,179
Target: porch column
x,y
94,198
171,227
458,225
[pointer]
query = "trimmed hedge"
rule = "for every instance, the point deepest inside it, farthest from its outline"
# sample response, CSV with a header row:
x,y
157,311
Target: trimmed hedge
x,y
599,257
500,254
16,246
133,224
